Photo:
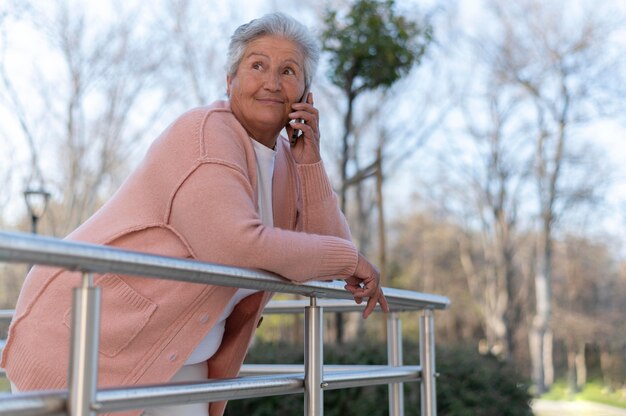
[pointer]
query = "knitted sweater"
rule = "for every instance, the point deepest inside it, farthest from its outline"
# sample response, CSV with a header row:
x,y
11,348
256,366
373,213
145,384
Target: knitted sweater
x,y
193,196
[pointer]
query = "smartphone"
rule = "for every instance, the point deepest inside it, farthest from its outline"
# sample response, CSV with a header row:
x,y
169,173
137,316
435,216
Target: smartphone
x,y
296,132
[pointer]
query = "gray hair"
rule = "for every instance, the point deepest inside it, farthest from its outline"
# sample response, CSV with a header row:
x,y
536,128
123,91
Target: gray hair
x,y
274,24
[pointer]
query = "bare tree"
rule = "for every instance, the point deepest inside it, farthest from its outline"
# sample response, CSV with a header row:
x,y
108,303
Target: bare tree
x,y
558,70
10,97
370,47
484,175
425,257
587,297
93,103
6,174
495,181
194,35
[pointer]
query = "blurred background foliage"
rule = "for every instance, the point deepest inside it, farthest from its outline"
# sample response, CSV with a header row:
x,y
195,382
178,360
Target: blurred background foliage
x,y
470,383
475,147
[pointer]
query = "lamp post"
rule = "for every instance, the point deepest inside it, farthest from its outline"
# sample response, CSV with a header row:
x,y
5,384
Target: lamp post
x,y
37,202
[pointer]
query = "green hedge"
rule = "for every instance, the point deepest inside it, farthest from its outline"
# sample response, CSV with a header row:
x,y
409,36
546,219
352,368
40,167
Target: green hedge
x,y
469,384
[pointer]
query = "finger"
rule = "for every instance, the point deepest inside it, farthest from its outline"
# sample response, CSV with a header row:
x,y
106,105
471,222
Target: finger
x,y
304,111
358,299
351,289
304,127
370,288
352,281
307,106
304,117
310,132
371,304
383,302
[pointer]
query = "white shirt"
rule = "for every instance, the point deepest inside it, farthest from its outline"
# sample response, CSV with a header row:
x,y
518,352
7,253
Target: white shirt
x,y
265,158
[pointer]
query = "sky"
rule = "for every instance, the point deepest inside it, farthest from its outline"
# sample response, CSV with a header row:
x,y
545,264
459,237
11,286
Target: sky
x,y
25,53
608,135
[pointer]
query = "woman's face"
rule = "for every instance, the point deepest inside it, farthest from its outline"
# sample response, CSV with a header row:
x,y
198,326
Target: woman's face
x,y
269,79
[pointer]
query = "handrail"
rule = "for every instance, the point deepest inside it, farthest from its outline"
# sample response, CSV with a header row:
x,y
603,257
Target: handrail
x,y
312,378
117,399
27,248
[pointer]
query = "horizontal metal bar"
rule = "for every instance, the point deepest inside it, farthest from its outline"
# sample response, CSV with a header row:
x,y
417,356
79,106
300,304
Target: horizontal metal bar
x,y
110,400
33,404
119,399
28,248
343,376
330,305
6,313
258,369
344,380
279,307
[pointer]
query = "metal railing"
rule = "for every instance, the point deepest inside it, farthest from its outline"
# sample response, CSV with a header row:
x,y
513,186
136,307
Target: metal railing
x,y
312,378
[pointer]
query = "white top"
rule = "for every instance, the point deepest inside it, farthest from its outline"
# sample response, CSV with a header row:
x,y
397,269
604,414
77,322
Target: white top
x,y
265,158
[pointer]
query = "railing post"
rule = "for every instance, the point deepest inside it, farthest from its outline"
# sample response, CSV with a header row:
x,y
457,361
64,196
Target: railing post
x,y
83,370
427,361
394,358
313,360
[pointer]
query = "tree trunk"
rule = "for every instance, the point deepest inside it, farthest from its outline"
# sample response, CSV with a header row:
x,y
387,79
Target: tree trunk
x,y
540,334
581,367
345,153
548,359
382,243
535,343
343,190
572,385
606,365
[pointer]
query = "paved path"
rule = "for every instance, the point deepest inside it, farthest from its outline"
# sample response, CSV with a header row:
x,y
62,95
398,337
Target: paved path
x,y
574,408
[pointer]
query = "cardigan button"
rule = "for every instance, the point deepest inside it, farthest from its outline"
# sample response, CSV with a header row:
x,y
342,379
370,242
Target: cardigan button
x,y
173,356
204,318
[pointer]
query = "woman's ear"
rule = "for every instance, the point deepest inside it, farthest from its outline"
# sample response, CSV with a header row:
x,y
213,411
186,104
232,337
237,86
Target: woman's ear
x,y
228,80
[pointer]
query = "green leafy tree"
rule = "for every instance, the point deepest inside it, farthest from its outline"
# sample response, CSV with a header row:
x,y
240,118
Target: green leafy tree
x,y
371,46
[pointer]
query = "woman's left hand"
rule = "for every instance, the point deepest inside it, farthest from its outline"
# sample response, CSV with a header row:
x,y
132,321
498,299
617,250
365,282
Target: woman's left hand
x,y
306,149
366,283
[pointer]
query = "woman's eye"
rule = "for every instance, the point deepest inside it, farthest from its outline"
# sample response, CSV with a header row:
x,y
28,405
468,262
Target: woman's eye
x,y
289,71
257,65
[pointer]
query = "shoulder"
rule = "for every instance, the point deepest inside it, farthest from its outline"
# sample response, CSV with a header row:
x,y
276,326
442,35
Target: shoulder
x,y
209,131
193,121
219,124
223,137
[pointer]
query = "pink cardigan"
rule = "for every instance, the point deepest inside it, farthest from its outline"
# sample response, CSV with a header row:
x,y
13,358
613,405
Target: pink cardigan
x,y
193,196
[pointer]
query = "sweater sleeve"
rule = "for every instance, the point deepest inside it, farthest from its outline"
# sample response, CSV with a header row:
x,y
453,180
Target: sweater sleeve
x,y
214,212
320,213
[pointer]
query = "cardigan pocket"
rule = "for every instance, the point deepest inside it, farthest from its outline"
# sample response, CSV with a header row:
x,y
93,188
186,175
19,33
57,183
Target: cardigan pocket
x,y
124,313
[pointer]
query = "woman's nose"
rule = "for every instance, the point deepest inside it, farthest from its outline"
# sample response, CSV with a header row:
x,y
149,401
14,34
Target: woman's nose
x,y
272,82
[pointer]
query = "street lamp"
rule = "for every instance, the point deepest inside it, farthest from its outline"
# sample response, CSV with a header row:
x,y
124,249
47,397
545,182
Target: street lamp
x,y
37,202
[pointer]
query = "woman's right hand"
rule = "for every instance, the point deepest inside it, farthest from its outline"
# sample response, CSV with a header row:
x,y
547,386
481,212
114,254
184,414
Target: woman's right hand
x,y
306,149
365,283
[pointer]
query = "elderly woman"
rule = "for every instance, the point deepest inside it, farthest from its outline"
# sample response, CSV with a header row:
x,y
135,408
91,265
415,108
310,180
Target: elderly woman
x,y
219,185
